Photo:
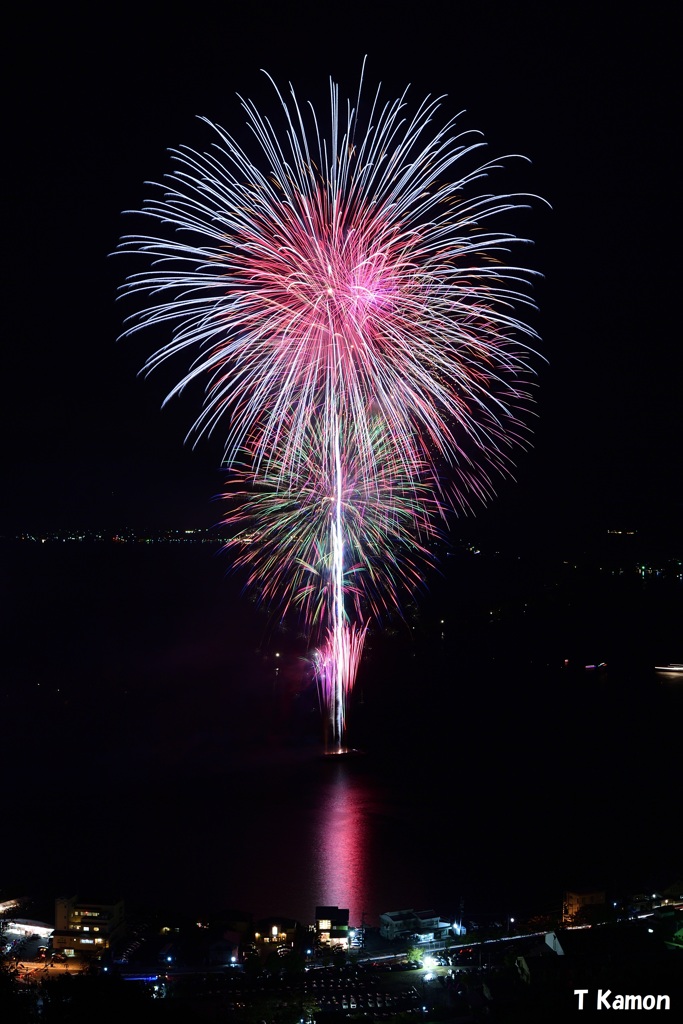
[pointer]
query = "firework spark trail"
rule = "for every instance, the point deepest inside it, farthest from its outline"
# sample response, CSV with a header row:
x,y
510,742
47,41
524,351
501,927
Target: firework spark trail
x,y
341,682
336,665
346,277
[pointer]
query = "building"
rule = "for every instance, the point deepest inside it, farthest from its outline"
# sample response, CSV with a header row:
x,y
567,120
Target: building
x,y
576,901
416,925
332,927
86,926
11,922
278,931
672,895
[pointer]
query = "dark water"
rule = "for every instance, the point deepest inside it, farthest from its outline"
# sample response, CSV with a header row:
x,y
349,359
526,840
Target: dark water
x,y
154,746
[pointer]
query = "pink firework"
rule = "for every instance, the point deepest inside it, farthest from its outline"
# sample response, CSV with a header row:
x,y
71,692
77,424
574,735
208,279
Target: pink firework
x,y
336,666
345,275
343,278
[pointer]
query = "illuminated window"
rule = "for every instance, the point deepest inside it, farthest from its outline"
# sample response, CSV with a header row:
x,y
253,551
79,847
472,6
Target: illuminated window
x,y
324,925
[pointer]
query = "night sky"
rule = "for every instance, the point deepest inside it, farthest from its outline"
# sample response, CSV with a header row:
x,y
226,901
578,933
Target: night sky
x,y
91,110
177,657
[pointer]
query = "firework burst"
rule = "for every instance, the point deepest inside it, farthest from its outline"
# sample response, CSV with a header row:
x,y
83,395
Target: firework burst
x,y
342,274
284,527
352,310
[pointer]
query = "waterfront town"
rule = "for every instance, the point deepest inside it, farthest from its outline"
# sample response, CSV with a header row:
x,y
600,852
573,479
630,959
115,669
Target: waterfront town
x,y
85,959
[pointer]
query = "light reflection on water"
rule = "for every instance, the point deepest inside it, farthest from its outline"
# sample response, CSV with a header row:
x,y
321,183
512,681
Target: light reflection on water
x,y
495,785
340,868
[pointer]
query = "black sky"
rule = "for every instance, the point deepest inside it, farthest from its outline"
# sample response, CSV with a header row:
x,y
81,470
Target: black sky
x,y
93,105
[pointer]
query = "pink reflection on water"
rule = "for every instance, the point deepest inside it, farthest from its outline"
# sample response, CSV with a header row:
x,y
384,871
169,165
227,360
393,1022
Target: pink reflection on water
x,y
340,842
